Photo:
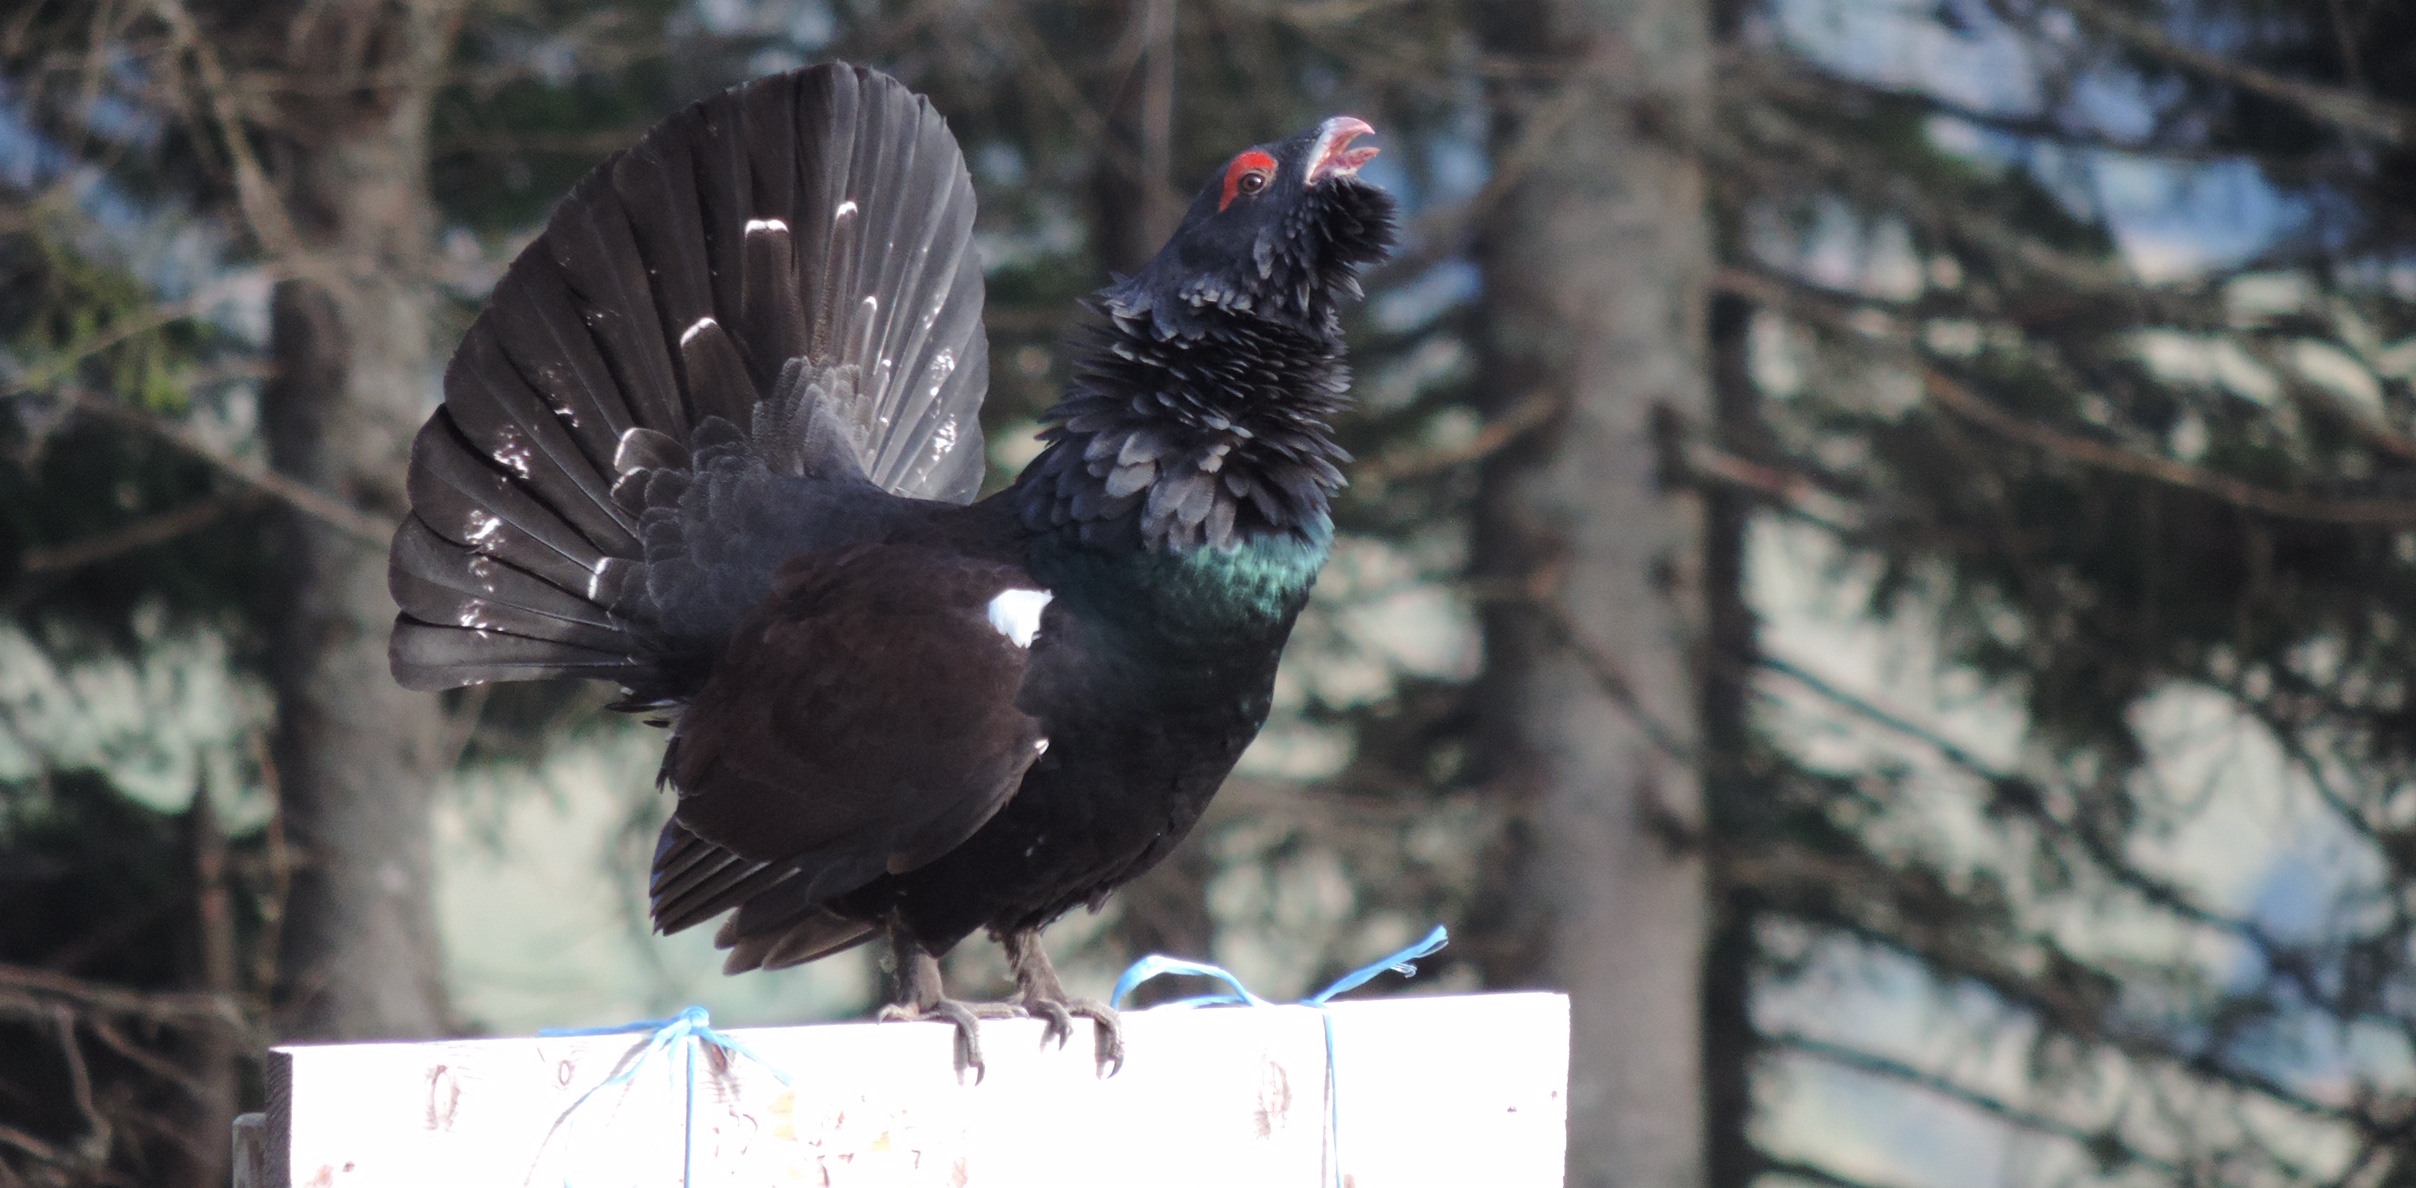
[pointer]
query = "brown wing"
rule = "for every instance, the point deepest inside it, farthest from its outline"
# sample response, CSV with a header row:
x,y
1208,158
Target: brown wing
x,y
862,722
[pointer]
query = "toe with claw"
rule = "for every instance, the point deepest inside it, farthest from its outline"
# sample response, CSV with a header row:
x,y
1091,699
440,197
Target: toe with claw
x,y
966,1016
920,997
1041,996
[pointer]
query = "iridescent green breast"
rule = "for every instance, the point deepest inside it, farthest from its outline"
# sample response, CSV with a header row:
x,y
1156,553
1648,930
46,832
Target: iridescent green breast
x,y
1208,597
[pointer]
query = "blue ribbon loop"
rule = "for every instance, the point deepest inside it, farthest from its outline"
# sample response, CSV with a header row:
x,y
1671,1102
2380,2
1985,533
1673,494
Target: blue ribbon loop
x,y
1158,965
687,1032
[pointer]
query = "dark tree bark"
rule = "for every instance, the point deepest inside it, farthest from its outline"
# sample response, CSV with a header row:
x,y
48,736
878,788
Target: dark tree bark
x,y
216,1059
1595,266
1730,790
1136,209
356,361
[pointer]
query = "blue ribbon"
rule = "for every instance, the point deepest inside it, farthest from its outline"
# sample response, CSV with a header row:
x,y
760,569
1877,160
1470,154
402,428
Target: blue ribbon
x,y
1404,963
689,1031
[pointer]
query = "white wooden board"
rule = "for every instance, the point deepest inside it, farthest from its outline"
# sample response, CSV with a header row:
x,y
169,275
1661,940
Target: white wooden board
x,y
1433,1092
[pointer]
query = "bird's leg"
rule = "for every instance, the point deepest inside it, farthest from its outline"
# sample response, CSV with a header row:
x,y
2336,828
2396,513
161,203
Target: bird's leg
x,y
1039,992
921,994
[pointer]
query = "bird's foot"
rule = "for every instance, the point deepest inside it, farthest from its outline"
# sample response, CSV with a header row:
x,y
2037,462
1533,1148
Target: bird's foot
x,y
1041,995
966,1016
1058,1015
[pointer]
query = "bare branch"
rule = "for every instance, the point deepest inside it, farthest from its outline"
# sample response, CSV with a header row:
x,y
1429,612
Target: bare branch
x,y
362,527
59,363
1531,412
1535,595
11,1136
2106,1145
1758,141
1875,329
2349,111
1760,76
1442,233
141,534
263,211
117,1041
30,993
2105,857
96,1141
1790,491
1814,1172
1950,392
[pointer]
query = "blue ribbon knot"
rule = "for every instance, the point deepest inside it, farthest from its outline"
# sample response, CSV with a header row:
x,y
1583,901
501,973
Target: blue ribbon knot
x,y
689,1033
1404,963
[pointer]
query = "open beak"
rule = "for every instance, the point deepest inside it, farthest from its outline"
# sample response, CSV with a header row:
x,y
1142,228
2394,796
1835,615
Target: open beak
x,y
1333,155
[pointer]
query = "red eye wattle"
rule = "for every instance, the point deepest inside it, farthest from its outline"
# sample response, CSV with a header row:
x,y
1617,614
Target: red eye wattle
x,y
1248,174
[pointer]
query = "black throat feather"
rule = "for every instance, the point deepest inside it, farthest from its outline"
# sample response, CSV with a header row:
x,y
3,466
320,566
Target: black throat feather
x,y
1201,408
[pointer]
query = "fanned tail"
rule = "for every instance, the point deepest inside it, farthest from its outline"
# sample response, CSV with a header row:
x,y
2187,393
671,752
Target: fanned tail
x,y
773,289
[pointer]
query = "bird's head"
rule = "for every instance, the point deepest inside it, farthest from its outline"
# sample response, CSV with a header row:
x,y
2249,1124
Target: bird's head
x,y
1275,233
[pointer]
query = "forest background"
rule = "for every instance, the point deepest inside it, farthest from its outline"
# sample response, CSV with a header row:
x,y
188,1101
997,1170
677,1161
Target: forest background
x,y
1881,556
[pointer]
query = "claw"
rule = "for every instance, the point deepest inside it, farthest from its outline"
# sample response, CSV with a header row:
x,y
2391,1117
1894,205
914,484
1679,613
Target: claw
x,y
965,1016
1059,1022
1107,1029
1041,994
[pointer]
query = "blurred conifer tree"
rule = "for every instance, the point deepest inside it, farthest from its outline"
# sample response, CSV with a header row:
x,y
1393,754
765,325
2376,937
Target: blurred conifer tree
x,y
2112,490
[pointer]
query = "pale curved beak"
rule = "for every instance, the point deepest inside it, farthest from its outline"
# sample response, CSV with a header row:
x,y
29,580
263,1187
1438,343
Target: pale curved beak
x,y
1333,156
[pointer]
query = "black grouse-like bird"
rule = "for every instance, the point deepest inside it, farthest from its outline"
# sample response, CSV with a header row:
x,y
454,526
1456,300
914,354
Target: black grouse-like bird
x,y
714,438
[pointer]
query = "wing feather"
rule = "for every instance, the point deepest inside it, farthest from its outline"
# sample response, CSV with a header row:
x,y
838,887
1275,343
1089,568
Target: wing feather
x,y
864,723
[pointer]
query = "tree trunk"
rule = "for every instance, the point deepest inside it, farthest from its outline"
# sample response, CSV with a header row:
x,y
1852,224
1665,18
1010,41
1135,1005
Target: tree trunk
x,y
208,1115
1595,265
1730,784
357,755
1137,210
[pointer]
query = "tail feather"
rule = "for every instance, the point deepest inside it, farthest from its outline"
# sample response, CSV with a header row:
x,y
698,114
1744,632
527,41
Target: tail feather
x,y
597,255
437,581
511,426
786,925
772,312
695,880
427,656
818,933
466,502
553,351
783,273
716,891
657,187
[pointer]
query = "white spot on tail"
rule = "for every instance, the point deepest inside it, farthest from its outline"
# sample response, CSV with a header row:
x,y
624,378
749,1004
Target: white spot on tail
x,y
512,450
1016,614
696,329
845,209
755,225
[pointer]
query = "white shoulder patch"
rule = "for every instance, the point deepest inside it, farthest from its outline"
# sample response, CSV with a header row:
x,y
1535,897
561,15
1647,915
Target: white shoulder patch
x,y
1016,614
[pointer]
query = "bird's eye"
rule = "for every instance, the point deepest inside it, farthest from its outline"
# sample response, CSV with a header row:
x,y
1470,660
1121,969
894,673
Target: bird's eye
x,y
1248,174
